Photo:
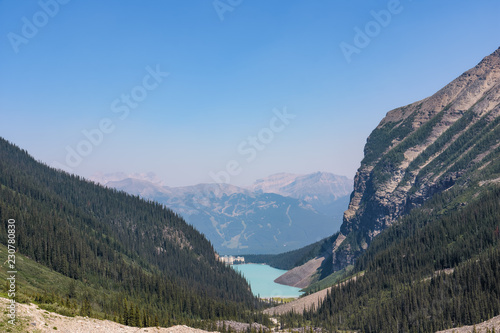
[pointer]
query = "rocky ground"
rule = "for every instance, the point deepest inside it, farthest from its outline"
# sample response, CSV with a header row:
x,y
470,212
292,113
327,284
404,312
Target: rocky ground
x,y
480,328
304,303
299,305
30,318
240,327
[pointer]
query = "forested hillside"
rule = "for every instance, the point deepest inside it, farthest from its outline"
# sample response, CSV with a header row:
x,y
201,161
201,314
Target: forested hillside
x,y
437,268
291,259
131,255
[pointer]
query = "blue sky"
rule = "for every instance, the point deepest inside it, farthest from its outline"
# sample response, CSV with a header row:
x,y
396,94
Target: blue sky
x,y
100,66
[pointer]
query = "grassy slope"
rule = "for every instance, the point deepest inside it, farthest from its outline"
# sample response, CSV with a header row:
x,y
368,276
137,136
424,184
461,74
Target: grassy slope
x,y
34,279
117,249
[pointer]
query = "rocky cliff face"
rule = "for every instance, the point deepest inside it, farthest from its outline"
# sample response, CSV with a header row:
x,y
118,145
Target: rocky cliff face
x,y
422,149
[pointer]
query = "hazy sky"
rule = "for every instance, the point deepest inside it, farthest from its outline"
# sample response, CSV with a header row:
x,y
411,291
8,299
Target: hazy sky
x,y
236,89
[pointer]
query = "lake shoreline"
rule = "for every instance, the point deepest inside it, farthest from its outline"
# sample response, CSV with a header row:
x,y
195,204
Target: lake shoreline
x,y
261,279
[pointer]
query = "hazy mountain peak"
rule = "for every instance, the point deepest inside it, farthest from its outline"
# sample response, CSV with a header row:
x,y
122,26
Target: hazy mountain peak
x,y
210,190
305,186
273,183
104,178
269,216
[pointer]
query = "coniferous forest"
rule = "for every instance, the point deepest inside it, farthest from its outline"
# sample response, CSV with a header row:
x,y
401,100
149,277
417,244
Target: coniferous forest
x,y
125,259
140,264
118,257
347,153
436,269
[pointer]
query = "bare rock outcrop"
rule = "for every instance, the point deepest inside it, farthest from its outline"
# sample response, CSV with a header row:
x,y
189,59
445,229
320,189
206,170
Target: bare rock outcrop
x,y
419,150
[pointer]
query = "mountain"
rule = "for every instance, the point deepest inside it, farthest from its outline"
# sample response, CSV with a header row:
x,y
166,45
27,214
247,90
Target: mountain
x,y
419,247
284,211
435,268
425,148
321,190
83,248
448,140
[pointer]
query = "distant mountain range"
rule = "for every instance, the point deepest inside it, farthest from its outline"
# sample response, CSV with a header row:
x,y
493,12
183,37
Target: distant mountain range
x,y
275,214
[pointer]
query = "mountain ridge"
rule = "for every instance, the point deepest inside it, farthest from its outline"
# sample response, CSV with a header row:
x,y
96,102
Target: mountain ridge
x,y
418,150
397,181
422,232
243,220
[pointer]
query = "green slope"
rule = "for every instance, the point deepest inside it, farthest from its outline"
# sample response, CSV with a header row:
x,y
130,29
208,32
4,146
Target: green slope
x,y
404,287
137,251
51,290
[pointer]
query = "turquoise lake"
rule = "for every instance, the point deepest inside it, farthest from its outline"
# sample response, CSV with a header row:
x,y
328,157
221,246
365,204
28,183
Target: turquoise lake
x,y
261,279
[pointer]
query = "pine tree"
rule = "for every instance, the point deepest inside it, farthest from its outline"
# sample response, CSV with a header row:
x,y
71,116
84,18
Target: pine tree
x,y
86,309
